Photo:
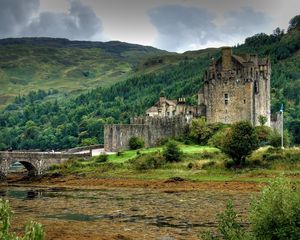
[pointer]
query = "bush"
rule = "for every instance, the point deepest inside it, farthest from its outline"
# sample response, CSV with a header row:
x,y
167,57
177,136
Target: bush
x,y
240,141
102,158
218,138
275,139
148,161
136,143
263,134
33,230
172,152
200,131
229,227
276,214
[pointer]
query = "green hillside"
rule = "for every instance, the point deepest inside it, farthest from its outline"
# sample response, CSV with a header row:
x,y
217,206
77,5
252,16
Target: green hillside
x,y
39,120
68,66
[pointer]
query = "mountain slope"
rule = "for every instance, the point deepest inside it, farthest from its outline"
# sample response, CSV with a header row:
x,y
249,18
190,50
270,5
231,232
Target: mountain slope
x,y
44,63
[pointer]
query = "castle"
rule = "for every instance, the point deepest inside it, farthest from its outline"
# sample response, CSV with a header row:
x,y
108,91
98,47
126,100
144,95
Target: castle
x,y
235,88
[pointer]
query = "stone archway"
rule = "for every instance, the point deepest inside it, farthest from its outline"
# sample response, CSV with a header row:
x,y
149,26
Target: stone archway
x,y
32,170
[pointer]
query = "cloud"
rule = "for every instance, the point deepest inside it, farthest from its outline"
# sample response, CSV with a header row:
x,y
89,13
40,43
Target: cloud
x,y
245,21
80,23
180,26
21,18
16,14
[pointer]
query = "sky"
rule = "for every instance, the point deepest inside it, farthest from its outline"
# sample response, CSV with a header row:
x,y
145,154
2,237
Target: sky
x,y
173,25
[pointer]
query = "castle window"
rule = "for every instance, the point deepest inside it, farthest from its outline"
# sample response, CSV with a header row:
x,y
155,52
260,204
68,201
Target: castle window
x,y
244,101
256,87
226,99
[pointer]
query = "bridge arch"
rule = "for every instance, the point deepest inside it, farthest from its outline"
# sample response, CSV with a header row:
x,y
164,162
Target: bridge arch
x,y
28,165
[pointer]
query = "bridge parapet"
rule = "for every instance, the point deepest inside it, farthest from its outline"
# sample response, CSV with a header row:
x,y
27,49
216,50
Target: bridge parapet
x,y
35,162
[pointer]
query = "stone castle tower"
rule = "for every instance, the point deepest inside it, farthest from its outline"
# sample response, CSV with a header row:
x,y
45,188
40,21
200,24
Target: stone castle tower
x,y
236,87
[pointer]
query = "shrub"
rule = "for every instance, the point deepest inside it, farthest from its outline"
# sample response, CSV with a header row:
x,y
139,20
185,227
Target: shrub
x,y
218,138
240,141
102,158
172,152
263,134
200,131
148,161
262,120
229,227
275,139
276,214
33,230
136,143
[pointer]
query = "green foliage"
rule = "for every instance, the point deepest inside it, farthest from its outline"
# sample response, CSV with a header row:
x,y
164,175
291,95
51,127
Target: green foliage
x,y
218,138
276,155
136,143
274,138
263,134
240,141
229,227
89,141
276,213
262,120
33,230
294,23
200,131
172,152
102,158
148,161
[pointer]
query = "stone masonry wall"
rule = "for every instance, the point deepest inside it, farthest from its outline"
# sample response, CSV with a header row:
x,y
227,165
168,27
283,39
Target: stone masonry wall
x,y
150,129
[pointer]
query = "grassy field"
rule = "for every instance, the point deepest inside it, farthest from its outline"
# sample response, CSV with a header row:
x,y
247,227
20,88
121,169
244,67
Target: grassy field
x,y
199,163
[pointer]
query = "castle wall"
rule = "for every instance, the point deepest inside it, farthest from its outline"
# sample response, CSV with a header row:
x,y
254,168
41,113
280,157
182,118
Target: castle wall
x,y
117,136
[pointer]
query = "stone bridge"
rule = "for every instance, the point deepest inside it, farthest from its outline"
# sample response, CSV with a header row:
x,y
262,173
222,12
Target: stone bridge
x,y
36,163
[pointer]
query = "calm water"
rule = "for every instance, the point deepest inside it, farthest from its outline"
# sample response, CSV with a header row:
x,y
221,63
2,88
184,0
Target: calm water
x,y
148,214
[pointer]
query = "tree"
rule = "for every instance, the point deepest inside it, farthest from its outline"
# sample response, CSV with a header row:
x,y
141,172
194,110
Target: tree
x,y
200,131
294,23
172,152
240,141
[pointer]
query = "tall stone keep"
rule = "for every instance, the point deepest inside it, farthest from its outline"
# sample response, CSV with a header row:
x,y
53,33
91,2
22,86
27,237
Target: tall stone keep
x,y
236,88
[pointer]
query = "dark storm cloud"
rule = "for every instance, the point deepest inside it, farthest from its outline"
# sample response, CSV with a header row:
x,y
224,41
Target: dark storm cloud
x,y
21,18
179,26
15,14
245,20
80,22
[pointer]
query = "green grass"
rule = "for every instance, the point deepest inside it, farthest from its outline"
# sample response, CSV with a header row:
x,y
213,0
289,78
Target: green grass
x,y
188,149
201,170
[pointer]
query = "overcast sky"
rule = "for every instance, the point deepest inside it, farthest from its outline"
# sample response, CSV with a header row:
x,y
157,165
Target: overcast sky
x,y
174,25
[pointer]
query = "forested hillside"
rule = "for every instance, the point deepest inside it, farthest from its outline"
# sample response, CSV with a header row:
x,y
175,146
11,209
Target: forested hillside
x,y
40,121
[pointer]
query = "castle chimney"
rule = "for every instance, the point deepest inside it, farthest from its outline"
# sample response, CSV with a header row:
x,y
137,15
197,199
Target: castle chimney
x,y
226,58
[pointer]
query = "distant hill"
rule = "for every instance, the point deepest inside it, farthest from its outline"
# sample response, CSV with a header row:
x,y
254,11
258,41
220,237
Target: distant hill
x,y
48,63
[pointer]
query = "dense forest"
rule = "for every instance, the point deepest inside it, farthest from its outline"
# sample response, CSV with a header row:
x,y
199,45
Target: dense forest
x,y
41,120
